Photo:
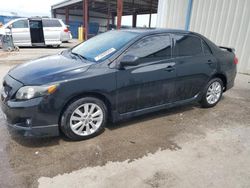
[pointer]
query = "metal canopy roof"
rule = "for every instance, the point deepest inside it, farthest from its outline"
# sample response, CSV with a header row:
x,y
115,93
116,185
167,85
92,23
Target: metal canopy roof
x,y
102,6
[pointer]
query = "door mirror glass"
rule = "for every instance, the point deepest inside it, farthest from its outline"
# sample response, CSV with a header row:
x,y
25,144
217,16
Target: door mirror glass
x,y
129,60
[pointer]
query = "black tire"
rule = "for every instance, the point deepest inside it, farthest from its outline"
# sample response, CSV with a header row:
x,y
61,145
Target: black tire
x,y
65,119
204,102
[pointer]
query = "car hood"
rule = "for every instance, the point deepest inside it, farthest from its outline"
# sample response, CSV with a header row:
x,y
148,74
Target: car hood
x,y
48,69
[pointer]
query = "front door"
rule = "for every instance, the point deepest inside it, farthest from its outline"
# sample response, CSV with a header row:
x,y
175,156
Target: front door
x,y
152,82
20,32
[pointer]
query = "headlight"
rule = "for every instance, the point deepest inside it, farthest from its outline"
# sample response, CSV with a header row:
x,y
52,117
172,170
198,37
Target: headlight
x,y
29,92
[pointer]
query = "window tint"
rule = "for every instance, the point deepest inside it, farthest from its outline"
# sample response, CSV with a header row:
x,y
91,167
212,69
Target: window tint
x,y
206,49
51,23
35,24
187,46
20,24
103,46
152,47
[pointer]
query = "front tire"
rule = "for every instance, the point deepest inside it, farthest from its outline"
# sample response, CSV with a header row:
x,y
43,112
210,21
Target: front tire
x,y
84,118
212,93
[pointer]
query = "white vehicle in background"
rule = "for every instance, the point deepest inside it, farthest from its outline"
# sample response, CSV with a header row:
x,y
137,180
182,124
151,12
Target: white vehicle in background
x,y
37,31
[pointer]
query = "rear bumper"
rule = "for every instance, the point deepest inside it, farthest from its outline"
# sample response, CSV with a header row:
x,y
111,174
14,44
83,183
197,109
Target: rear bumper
x,y
26,118
230,85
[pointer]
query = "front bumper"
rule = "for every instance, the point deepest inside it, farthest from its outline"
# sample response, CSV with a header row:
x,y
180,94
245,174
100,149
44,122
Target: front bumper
x,y
28,118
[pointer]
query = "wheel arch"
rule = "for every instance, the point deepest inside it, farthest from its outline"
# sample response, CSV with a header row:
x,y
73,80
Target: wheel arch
x,y
223,78
99,96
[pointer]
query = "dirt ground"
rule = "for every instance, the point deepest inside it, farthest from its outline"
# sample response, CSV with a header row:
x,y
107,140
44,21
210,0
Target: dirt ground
x,y
186,146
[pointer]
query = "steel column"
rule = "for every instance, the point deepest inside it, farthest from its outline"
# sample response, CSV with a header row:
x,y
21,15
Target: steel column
x,y
108,16
149,22
134,19
67,15
85,18
188,15
119,13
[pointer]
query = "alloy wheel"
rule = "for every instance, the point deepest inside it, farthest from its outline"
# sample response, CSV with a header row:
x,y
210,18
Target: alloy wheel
x,y
86,119
214,92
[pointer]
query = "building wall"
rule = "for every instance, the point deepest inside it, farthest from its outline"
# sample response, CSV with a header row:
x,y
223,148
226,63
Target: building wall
x,y
225,22
172,14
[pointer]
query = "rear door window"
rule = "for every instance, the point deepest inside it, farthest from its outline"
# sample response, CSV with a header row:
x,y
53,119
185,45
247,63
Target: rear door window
x,y
20,24
187,45
51,23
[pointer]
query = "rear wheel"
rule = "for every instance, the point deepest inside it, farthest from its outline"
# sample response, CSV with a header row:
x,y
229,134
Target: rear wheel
x,y
84,118
212,93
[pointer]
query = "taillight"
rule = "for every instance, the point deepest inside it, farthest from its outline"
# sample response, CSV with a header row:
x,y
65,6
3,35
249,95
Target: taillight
x,y
66,30
236,60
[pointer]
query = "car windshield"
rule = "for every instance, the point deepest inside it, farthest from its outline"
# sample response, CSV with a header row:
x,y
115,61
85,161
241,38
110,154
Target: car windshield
x,y
104,45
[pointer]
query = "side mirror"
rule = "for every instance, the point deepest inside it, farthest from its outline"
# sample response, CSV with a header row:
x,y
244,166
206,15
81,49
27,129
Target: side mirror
x,y
129,60
9,26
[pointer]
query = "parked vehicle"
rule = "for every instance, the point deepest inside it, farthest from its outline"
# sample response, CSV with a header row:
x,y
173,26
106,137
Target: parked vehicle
x,y
37,31
115,75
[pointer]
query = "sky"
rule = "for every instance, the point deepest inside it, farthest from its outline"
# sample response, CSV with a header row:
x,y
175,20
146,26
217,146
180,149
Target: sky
x,y
28,7
43,8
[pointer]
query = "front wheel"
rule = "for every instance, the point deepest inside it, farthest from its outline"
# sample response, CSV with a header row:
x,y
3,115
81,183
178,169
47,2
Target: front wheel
x,y
84,118
212,93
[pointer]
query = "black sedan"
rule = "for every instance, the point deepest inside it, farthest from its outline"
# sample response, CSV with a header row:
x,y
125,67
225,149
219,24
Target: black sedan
x,y
115,75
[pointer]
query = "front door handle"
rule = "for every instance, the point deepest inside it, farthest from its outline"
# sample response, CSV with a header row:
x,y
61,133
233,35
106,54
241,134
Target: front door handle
x,y
170,68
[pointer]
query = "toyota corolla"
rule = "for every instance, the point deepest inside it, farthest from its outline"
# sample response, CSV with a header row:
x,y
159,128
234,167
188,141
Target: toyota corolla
x,y
113,76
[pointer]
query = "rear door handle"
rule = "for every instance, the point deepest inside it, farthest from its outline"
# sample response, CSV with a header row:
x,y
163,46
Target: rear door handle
x,y
210,62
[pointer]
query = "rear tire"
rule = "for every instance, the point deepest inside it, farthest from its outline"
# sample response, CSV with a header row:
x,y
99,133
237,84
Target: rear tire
x,y
212,93
84,118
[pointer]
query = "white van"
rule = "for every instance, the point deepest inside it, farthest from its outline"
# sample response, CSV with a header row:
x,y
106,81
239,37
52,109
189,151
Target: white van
x,y
37,31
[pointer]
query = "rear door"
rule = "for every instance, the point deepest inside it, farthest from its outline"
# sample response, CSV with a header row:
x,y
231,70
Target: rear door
x,y
195,64
36,31
21,33
152,82
52,31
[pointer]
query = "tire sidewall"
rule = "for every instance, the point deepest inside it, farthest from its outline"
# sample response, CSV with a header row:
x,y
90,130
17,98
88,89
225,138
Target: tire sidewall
x,y
204,101
65,119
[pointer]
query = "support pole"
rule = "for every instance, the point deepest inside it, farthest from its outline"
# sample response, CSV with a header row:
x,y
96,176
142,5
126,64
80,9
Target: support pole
x,y
85,18
149,23
134,19
113,19
108,16
188,15
67,15
119,13
53,13
150,15
134,15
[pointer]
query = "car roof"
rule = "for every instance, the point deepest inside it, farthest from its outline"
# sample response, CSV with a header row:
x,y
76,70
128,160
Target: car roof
x,y
157,30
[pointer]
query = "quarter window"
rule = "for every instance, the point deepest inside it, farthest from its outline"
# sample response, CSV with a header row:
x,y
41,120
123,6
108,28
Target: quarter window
x,y
51,23
206,49
187,46
156,47
20,24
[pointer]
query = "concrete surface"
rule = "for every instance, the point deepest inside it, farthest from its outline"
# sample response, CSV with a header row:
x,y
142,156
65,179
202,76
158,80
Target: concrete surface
x,y
181,147
29,53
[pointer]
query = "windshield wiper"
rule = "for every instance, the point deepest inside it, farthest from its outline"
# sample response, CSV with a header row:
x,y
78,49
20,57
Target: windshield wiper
x,y
79,56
